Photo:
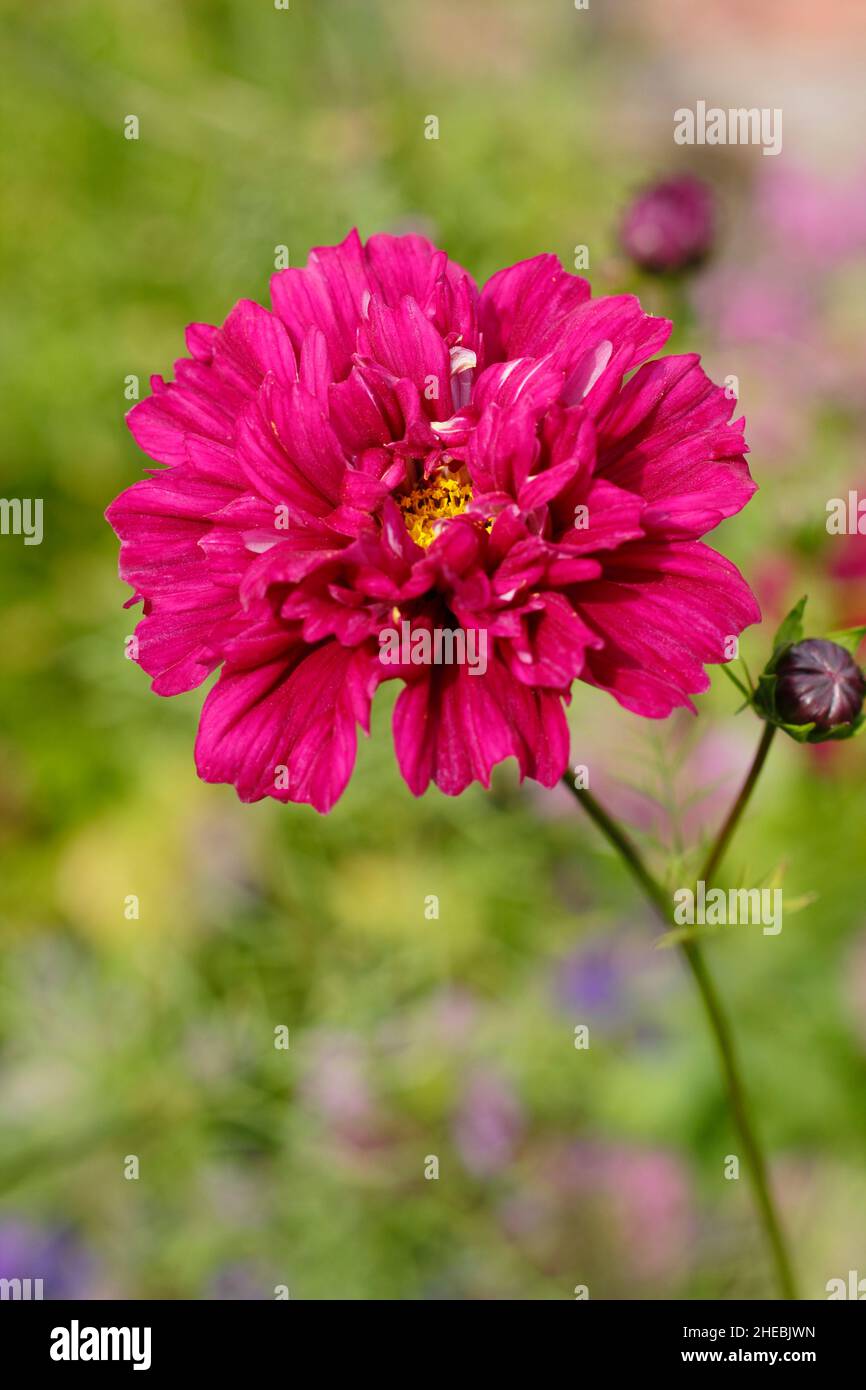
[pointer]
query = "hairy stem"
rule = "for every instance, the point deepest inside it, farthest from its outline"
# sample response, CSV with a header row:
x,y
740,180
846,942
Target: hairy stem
x,y
715,1013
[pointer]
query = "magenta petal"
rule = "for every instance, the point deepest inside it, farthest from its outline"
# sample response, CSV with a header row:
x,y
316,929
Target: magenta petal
x,y
523,308
406,344
551,648
251,343
601,517
160,521
328,294
668,437
161,423
356,414
411,265
179,639
448,729
534,381
452,728
503,450
291,720
277,449
664,611
304,431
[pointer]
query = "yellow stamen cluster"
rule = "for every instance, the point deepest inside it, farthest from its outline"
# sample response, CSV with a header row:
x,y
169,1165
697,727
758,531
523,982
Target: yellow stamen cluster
x,y
425,506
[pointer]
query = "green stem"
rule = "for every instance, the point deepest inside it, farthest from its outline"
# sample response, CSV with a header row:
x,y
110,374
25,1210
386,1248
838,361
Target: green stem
x,y
716,854
716,1016
756,1165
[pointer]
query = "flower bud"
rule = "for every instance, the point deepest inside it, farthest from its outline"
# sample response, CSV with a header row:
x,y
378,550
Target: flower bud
x,y
818,682
670,225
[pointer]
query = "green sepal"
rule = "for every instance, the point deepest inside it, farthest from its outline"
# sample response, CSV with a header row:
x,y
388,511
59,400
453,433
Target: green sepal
x,y
790,630
849,638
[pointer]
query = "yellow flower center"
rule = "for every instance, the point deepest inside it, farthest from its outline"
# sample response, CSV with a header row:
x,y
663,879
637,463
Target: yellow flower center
x,y
426,506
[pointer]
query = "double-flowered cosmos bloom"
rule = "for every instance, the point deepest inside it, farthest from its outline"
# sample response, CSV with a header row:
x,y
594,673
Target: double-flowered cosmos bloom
x,y
390,445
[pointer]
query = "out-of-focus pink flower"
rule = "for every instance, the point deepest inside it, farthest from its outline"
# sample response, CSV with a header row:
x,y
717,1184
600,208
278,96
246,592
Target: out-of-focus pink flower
x,y
389,447
844,560
650,1193
756,303
642,1197
336,1085
450,1016
816,218
711,770
775,578
846,554
670,226
488,1123
673,788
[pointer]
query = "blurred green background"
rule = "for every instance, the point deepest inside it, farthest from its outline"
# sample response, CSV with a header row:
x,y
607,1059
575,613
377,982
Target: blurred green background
x,y
305,1167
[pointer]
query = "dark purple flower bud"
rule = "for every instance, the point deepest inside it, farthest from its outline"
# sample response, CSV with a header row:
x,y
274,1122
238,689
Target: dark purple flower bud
x,y
670,225
818,682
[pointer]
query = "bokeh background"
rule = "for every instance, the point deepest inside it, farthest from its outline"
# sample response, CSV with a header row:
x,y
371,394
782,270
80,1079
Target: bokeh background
x,y
411,1037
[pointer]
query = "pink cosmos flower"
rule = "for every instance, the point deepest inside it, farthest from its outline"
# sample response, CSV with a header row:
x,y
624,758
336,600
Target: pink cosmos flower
x,y
390,446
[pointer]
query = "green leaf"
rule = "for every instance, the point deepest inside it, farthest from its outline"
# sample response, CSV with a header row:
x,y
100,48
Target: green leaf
x,y
791,628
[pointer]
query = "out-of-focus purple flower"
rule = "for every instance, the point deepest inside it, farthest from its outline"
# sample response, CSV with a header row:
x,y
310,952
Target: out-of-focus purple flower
x,y
55,1256
488,1124
592,979
670,225
239,1283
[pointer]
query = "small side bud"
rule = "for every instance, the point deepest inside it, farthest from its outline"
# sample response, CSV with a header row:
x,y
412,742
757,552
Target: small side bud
x,y
818,682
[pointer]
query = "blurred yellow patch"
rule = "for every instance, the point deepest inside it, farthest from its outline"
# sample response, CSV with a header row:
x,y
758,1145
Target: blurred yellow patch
x,y
396,898
134,876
